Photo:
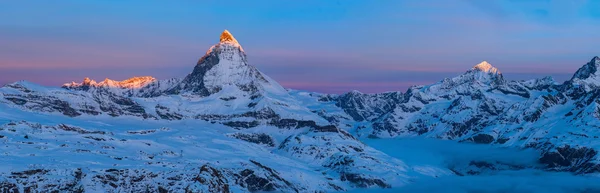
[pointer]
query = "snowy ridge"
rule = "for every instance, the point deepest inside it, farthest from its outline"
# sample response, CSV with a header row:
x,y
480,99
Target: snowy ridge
x,y
132,83
227,127
137,135
479,106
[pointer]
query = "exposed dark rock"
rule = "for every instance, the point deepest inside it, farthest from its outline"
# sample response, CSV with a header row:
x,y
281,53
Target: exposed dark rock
x,y
275,175
8,187
78,130
327,128
483,138
165,113
242,124
162,190
95,138
362,181
19,87
64,108
573,159
252,104
258,138
262,114
144,132
462,128
502,140
17,101
30,172
213,178
255,183
514,90
228,98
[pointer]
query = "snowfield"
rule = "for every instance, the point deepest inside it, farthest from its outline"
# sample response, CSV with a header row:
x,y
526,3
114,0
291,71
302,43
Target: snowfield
x,y
227,127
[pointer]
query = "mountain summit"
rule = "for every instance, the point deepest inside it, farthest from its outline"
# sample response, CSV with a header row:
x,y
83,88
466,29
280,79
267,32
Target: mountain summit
x,y
588,76
588,69
227,37
481,74
225,66
486,67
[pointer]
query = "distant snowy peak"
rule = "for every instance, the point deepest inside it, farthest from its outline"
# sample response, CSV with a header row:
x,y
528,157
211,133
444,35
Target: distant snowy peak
x,y
588,70
587,77
486,67
483,74
87,82
132,83
225,66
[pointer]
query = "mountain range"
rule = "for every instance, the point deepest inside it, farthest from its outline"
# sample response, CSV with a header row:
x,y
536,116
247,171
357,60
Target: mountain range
x,y
227,127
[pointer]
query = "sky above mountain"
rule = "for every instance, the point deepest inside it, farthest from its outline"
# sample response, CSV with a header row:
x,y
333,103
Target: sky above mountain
x,y
326,46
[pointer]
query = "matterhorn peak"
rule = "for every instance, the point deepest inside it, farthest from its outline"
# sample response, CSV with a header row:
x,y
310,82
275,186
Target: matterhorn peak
x,y
225,66
227,37
486,67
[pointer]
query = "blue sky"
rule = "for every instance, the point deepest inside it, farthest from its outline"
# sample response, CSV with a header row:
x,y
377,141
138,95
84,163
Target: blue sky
x,y
320,45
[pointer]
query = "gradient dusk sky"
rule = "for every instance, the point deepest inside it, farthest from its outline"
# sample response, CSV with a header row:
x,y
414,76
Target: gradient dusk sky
x,y
330,46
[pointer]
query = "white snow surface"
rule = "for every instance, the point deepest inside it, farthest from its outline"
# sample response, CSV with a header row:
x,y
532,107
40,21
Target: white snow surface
x,y
231,127
143,133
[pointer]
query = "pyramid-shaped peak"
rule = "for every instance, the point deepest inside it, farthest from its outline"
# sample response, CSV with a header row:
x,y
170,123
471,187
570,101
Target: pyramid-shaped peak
x,y
227,37
588,70
225,66
483,65
486,67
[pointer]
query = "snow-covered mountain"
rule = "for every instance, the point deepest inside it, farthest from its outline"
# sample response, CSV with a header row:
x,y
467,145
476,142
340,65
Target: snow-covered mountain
x,y
230,126
227,127
480,106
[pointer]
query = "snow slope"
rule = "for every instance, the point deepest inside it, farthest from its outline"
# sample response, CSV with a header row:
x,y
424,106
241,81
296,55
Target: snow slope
x,y
225,127
480,106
